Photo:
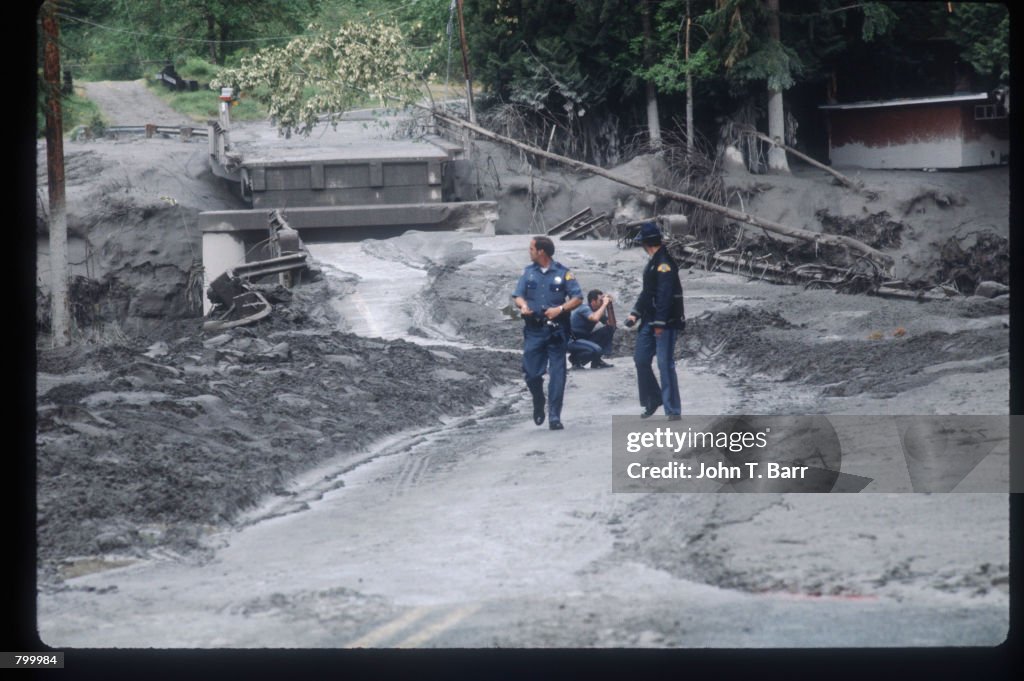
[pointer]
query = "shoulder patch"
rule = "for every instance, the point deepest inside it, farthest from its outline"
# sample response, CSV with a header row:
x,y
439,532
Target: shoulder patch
x,y
664,267
569,276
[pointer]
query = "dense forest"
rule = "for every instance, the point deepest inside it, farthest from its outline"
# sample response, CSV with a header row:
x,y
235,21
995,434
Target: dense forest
x,y
587,78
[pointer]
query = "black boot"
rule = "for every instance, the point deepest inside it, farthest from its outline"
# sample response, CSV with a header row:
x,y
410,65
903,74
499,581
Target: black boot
x,y
537,390
649,411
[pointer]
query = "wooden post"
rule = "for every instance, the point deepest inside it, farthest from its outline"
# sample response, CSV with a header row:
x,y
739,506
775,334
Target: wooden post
x,y
465,66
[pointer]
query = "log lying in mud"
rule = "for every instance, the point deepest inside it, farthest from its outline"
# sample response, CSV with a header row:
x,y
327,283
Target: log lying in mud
x,y
810,275
883,260
843,179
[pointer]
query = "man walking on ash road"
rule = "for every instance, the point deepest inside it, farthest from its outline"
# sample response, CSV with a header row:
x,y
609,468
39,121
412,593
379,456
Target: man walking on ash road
x,y
659,308
589,344
545,295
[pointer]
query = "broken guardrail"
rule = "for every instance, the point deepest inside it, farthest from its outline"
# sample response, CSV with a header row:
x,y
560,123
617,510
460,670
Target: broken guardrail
x,y
232,292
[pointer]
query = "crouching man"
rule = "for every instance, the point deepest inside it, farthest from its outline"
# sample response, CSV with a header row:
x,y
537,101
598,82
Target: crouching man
x,y
589,343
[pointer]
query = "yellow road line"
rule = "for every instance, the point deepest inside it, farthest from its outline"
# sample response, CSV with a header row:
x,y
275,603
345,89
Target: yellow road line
x,y
390,629
433,630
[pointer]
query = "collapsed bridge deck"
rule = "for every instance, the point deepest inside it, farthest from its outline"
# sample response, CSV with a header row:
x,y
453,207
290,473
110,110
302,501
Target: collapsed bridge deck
x,y
340,185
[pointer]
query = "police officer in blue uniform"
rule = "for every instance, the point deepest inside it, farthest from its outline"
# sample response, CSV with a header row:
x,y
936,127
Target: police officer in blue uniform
x,y
545,295
659,309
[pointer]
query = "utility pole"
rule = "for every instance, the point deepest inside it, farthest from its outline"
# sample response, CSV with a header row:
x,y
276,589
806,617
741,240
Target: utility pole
x,y
60,317
465,66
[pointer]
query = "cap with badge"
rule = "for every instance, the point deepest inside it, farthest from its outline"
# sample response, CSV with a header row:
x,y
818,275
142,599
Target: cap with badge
x,y
648,232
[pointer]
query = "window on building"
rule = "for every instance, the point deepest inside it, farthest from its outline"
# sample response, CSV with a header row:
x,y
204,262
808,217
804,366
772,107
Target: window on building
x,y
985,112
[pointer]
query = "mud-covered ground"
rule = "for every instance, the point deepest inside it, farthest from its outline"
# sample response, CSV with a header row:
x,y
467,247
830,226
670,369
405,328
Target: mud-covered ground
x,y
150,445
152,435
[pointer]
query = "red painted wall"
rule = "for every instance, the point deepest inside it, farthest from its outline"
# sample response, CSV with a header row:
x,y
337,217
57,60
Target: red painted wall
x,y
896,124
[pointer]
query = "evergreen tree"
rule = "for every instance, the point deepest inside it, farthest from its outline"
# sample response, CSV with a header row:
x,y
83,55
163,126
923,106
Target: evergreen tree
x,y
577,63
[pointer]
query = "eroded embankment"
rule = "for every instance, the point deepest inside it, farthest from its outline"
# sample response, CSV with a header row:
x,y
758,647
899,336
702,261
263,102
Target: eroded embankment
x,y
852,345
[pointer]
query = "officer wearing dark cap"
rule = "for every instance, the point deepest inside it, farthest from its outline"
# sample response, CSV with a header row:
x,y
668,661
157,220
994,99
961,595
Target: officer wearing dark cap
x,y
545,295
659,309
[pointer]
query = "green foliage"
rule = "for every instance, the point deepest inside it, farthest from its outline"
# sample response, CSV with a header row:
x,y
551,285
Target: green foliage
x,y
556,56
75,111
982,31
79,111
670,65
204,104
738,33
879,19
669,74
197,69
423,22
551,73
327,72
122,39
574,60
905,49
773,63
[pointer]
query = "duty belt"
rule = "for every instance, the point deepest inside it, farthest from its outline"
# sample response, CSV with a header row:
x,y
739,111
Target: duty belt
x,y
544,321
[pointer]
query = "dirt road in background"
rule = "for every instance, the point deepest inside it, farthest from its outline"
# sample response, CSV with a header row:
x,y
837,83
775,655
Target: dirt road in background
x,y
128,102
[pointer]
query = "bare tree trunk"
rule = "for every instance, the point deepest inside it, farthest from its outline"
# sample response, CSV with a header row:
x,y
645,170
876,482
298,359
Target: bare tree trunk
x,y
689,85
211,37
776,114
222,41
60,317
653,120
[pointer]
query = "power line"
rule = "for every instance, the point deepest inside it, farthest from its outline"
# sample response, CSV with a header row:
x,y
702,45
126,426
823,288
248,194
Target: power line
x,y
174,37
202,41
245,40
85,64
393,10
131,21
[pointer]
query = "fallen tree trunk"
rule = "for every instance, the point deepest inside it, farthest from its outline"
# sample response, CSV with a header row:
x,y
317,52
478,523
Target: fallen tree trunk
x,y
817,276
804,235
852,184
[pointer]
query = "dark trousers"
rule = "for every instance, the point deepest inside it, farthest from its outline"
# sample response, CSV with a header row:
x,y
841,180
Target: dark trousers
x,y
544,349
592,346
649,346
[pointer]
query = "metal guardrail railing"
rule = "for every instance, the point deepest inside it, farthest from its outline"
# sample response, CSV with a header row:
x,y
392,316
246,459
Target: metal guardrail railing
x,y
185,131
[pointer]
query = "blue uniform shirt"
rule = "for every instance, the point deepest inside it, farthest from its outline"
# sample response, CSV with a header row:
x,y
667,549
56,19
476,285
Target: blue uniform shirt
x,y
581,326
542,290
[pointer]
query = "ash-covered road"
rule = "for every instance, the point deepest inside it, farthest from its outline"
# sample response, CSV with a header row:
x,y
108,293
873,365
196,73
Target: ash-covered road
x,y
487,531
